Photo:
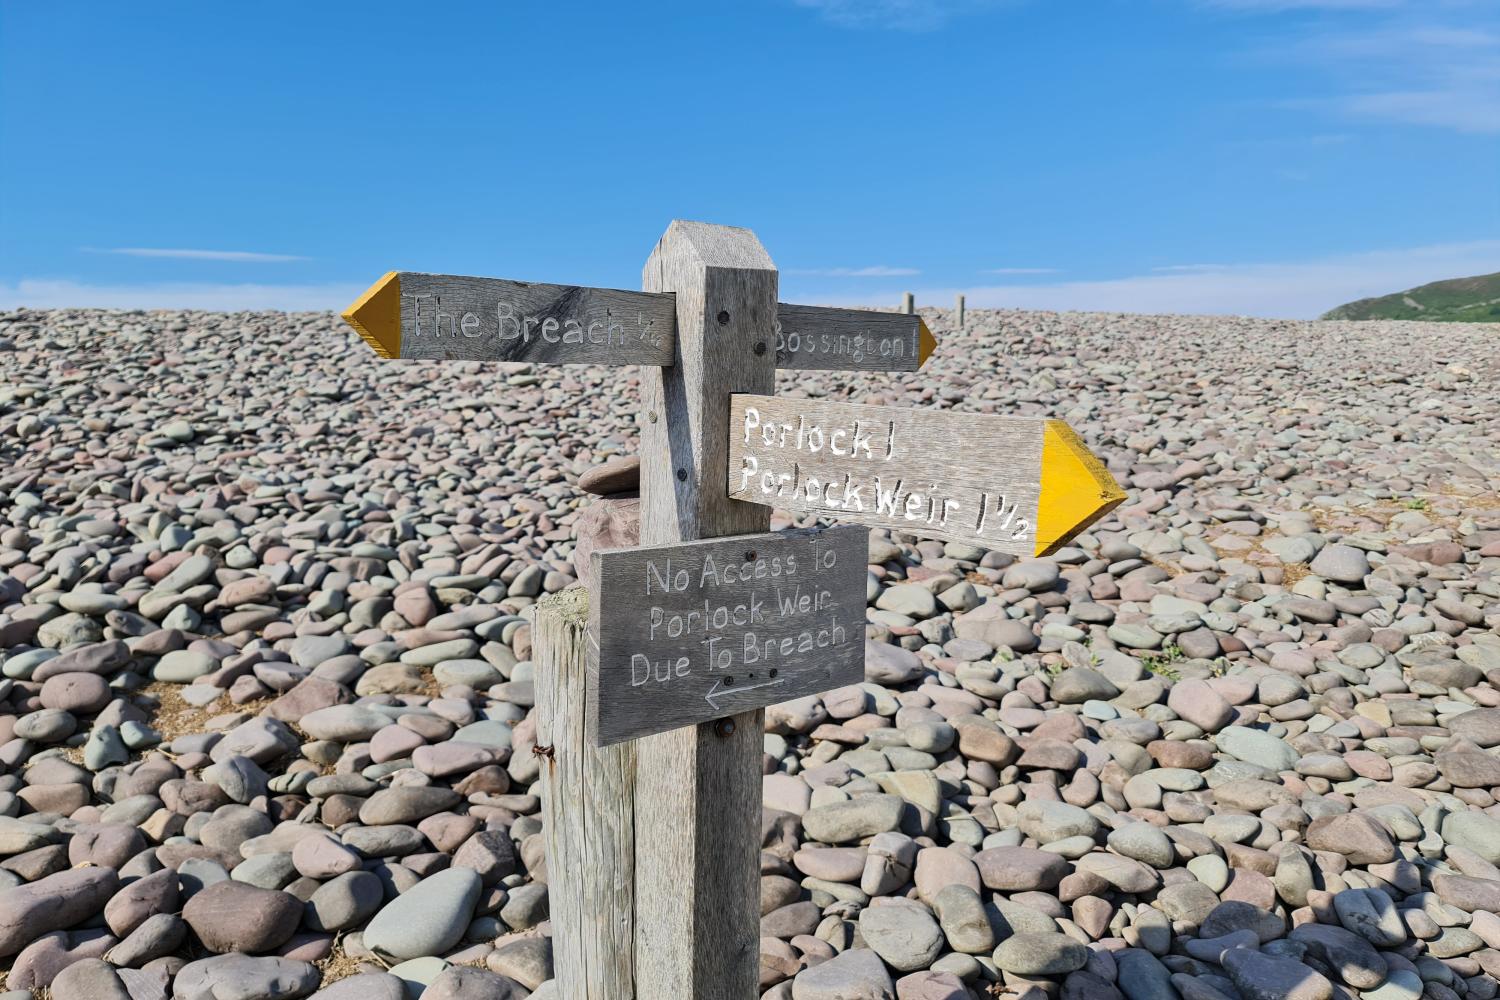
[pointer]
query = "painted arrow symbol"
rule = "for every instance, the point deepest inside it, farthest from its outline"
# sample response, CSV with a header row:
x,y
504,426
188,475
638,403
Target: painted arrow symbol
x,y
715,692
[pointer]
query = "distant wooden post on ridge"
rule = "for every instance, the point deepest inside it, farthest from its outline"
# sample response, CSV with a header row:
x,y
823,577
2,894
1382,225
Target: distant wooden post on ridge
x,y
908,303
958,307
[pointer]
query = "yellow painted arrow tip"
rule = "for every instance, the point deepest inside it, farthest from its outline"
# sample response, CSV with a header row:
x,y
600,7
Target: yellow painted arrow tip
x,y
926,343
376,316
1077,489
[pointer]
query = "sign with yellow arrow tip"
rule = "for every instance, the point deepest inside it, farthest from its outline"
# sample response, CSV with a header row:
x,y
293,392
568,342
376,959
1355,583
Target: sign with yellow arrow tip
x,y
818,338
444,317
1017,485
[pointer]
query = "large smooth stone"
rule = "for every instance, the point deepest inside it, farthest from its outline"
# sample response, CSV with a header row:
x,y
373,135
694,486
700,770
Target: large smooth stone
x,y
427,919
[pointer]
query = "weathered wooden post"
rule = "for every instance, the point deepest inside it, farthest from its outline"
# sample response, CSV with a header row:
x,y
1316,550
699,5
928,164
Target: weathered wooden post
x,y
959,308
653,838
908,303
698,789
588,812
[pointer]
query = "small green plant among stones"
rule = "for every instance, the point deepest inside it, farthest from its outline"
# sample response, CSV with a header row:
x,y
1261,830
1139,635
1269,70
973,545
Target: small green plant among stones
x,y
1161,669
1161,664
1416,503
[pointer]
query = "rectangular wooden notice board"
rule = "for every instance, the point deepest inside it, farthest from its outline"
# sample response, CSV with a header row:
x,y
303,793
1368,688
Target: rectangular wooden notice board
x,y
682,634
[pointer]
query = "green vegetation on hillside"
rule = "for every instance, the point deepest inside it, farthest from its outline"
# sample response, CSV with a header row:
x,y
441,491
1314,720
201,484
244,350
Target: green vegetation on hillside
x,y
1457,300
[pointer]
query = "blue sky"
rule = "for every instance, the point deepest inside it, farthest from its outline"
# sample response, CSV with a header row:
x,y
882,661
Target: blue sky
x,y
1270,157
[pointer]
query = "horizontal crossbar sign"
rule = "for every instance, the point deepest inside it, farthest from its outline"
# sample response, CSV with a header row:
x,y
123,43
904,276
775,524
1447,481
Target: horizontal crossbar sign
x,y
1011,484
444,317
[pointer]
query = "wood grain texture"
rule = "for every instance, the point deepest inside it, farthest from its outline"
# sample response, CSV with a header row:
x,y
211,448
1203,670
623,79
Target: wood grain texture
x,y
817,338
683,634
934,473
723,317
588,797
448,317
698,792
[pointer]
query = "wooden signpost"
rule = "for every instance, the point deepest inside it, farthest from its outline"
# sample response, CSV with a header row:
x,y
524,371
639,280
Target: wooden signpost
x,y
445,317
688,633
651,688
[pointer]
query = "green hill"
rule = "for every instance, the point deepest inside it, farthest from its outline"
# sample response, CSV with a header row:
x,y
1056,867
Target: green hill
x,y
1457,300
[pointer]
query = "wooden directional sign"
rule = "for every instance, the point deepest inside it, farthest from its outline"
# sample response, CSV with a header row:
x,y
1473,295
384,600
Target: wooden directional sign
x,y
1022,486
687,633
443,317
449,318
817,338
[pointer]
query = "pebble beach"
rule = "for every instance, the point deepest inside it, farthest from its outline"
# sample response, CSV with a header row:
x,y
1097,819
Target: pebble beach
x,y
267,709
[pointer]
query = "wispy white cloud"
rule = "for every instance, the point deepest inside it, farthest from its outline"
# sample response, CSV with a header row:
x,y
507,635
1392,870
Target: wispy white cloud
x,y
233,256
1412,70
42,293
1020,270
1461,110
898,15
1285,289
876,271
1435,65
1400,39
